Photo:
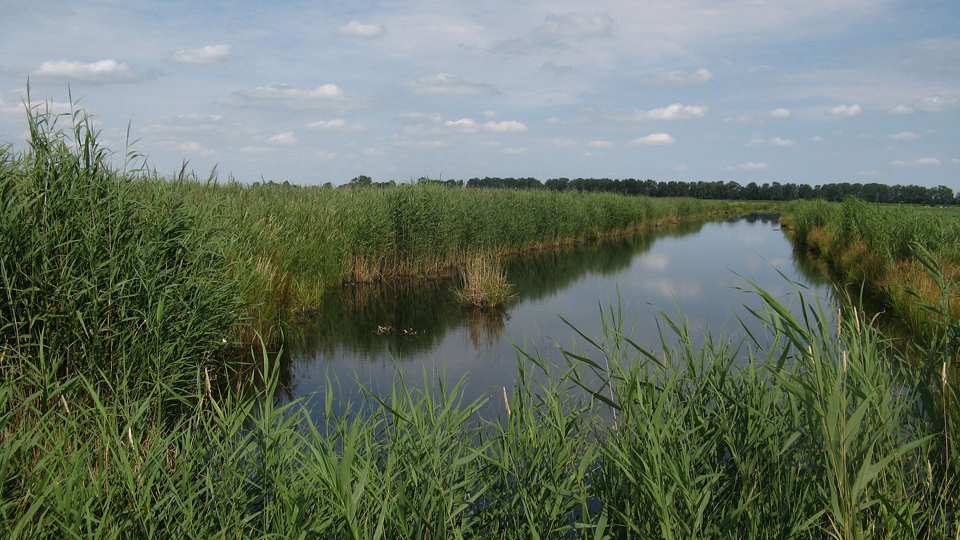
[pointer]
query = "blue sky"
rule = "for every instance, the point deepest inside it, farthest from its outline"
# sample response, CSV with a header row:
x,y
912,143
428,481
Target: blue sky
x,y
311,92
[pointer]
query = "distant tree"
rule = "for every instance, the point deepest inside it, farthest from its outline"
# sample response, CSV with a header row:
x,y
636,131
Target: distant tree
x,y
361,181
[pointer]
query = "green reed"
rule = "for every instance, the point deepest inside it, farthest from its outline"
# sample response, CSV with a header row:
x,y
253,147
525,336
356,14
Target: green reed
x,y
881,249
118,418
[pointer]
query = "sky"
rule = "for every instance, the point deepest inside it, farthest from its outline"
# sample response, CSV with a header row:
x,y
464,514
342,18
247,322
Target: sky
x,y
800,91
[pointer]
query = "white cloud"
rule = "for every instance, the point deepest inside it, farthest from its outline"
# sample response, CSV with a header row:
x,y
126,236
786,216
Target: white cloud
x,y
745,119
287,138
469,125
902,109
601,144
365,31
203,56
465,125
680,78
489,114
336,124
508,126
564,143
325,96
935,103
553,120
777,141
103,71
654,139
918,161
194,147
677,111
443,84
903,136
515,150
780,113
816,138
753,166
845,110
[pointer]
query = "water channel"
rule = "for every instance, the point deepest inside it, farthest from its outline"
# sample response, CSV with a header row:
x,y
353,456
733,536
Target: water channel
x,y
371,333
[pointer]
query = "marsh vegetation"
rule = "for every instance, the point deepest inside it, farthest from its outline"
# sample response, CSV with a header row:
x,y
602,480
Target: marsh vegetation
x,y
121,415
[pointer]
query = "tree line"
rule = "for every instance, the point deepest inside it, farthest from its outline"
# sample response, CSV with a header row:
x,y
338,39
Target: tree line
x,y
872,192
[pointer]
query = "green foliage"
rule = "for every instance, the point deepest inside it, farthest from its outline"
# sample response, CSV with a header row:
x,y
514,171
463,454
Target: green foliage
x,y
93,281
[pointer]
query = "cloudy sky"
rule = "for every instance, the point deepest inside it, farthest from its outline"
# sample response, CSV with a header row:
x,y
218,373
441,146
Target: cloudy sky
x,y
807,91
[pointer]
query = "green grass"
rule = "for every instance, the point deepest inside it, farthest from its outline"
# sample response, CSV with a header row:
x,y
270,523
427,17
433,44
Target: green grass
x,y
877,247
121,416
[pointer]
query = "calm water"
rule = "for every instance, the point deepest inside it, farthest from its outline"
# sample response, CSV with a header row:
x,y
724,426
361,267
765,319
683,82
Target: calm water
x,y
691,268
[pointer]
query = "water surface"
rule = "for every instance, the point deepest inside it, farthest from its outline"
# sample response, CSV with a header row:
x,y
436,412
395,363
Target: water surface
x,y
372,333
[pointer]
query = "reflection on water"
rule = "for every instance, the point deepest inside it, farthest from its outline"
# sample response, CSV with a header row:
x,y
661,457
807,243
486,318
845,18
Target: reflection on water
x,y
369,333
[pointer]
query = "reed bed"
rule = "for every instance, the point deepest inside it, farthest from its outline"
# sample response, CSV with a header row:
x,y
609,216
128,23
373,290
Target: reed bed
x,y
116,419
817,435
883,249
289,243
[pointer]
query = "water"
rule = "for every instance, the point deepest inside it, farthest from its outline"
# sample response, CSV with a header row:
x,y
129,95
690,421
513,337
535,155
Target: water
x,y
372,333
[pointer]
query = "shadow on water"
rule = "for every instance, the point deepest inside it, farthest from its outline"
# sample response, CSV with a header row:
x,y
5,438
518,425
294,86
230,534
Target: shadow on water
x,y
400,318
367,334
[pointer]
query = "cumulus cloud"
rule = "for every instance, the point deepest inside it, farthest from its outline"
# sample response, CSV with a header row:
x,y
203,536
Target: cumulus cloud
x,y
443,84
103,71
751,166
777,141
601,144
935,103
287,138
780,113
509,126
564,143
902,109
680,78
845,110
359,30
469,125
325,96
193,147
918,161
903,136
654,139
677,111
203,56
816,138
336,124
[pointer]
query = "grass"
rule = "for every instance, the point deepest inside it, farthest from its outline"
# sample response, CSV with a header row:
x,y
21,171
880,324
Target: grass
x,y
288,244
877,247
118,420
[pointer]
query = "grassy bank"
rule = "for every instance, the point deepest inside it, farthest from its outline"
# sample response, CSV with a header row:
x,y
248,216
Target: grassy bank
x,y
877,247
119,417
814,436
290,243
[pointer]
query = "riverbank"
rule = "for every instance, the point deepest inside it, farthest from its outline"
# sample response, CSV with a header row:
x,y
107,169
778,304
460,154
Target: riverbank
x,y
889,251
119,417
